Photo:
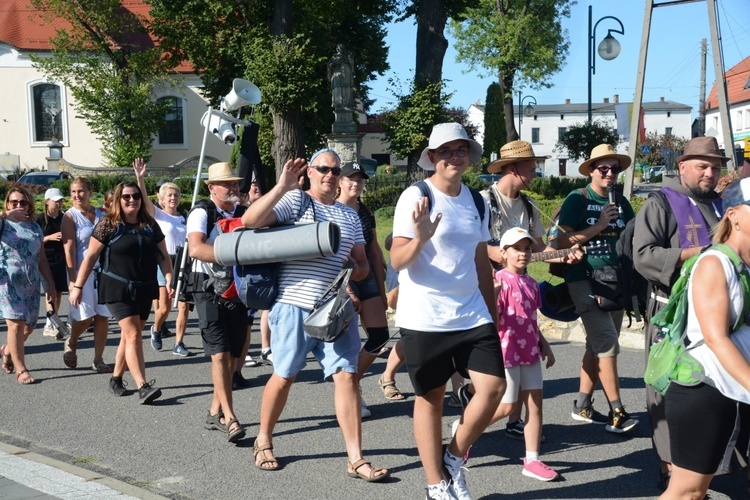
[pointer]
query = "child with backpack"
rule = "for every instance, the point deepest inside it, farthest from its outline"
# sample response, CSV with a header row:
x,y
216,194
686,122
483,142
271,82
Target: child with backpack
x,y
523,345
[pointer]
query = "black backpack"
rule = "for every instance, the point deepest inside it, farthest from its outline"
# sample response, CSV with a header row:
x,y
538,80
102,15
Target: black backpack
x,y
426,193
635,287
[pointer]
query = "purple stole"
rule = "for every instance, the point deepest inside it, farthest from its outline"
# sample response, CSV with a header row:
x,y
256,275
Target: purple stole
x,y
690,222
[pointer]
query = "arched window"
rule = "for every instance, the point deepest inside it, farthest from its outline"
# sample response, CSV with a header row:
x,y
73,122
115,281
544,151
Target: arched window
x,y
48,113
173,131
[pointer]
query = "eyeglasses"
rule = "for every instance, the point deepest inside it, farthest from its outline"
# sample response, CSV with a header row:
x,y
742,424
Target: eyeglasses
x,y
135,196
352,180
447,154
18,203
604,170
324,170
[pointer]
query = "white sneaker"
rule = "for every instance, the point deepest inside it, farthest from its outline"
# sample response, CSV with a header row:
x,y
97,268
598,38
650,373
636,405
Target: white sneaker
x,y
250,362
50,331
458,476
366,413
454,427
442,491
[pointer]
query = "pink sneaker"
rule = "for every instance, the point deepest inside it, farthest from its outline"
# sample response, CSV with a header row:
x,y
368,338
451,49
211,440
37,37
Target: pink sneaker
x,y
538,470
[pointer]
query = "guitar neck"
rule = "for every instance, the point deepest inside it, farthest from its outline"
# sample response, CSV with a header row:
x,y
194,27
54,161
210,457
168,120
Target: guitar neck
x,y
552,254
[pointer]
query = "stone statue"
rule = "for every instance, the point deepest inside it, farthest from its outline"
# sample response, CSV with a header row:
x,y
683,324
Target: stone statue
x,y
340,72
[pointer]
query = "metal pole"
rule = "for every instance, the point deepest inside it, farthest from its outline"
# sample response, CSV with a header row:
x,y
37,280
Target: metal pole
x,y
520,115
180,275
721,88
591,50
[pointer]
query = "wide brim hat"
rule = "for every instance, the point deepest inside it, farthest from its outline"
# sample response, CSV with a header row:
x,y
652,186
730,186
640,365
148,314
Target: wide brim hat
x,y
514,235
447,132
352,167
513,152
53,194
599,153
221,172
702,147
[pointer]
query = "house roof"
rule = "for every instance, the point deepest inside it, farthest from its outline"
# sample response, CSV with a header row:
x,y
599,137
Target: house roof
x,y
26,29
605,107
738,85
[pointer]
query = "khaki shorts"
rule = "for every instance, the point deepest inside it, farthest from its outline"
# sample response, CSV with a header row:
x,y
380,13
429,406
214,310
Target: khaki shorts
x,y
602,328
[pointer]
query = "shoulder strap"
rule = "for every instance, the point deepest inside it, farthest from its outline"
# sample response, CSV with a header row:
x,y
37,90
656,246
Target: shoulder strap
x,y
305,202
424,189
741,270
426,193
478,201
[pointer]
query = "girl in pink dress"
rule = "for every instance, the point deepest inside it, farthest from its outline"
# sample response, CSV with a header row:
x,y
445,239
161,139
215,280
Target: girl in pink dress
x,y
523,345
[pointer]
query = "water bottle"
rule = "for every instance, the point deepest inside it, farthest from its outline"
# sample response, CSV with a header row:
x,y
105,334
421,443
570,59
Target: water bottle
x,y
660,335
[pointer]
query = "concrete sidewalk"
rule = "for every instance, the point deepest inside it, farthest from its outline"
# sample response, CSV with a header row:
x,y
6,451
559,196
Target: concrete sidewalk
x,y
26,475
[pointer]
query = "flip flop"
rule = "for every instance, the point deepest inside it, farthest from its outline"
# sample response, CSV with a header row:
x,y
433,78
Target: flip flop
x,y
8,365
70,358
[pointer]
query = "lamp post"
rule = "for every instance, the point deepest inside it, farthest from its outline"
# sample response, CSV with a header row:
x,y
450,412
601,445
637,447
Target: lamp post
x,y
529,111
608,49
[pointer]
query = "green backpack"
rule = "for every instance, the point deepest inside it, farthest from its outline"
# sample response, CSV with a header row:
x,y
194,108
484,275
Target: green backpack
x,y
669,360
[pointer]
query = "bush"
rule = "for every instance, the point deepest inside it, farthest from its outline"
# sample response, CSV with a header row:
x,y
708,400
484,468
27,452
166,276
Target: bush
x,y
555,187
385,213
384,197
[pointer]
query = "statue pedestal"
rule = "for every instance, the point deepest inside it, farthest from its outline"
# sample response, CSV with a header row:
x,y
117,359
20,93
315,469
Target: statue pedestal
x,y
344,123
348,146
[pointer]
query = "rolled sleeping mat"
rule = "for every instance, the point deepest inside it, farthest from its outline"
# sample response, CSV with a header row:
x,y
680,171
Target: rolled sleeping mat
x,y
278,244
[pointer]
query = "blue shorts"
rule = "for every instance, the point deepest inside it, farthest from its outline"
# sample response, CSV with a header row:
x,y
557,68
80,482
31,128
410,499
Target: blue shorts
x,y
290,344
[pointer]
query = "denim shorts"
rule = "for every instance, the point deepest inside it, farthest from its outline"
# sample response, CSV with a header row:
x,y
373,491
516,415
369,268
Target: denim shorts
x,y
367,288
290,344
160,276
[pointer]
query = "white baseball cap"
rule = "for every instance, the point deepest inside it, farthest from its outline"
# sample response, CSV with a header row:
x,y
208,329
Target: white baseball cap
x,y
53,194
513,236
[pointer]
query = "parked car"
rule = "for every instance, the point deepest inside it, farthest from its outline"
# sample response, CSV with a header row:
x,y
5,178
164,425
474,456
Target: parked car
x,y
45,179
650,174
489,179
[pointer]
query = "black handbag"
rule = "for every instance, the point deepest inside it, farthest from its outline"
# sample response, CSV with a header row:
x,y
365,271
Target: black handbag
x,y
606,288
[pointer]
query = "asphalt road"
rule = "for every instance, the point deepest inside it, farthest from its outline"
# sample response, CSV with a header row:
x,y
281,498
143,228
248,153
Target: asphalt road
x,y
69,415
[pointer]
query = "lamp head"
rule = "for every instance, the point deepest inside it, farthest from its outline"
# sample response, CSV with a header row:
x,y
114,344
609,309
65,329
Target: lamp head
x,y
528,110
609,48
243,93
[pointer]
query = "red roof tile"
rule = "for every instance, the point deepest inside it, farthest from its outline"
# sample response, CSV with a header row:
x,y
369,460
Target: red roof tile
x,y
738,85
25,28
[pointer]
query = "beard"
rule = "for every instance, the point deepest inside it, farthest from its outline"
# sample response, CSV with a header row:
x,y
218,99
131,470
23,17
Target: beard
x,y
231,199
700,192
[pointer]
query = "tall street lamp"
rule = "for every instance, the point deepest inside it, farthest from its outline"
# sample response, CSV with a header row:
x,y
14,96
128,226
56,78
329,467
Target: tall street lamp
x,y
529,111
608,49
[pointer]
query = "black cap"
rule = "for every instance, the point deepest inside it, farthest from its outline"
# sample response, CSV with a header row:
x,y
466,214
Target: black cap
x,y
161,182
351,168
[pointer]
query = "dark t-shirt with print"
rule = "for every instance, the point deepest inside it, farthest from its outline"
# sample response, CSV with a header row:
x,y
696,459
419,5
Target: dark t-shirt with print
x,y
580,213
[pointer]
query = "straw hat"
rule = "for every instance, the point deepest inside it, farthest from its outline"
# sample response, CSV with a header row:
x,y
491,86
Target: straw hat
x,y
600,152
221,172
702,147
447,132
513,152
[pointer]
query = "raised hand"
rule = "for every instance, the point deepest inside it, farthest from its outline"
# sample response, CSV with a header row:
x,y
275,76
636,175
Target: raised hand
x,y
424,228
293,169
139,167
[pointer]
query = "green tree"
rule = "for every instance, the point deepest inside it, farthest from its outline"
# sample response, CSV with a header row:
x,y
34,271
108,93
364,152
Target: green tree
x,y
494,121
112,68
579,139
282,47
521,41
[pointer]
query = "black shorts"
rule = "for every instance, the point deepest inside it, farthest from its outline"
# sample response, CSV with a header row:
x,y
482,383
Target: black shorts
x,y
432,357
705,444
122,310
223,329
59,272
367,288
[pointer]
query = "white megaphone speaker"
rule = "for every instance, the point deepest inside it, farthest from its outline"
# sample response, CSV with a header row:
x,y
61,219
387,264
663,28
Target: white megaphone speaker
x,y
243,93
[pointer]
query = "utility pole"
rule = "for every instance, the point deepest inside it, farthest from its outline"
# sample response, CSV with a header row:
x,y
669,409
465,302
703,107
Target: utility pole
x,y
702,105
721,86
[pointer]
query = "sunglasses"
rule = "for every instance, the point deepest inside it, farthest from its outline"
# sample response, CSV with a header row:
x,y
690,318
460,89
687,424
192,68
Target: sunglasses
x,y
605,170
324,170
135,196
447,154
18,203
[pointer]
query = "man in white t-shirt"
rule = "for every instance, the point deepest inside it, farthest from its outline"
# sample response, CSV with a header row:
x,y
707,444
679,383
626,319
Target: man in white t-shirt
x,y
447,312
301,285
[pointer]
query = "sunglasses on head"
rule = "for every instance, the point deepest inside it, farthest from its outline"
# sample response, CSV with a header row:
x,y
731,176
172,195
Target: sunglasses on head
x,y
447,154
135,196
18,203
604,170
324,170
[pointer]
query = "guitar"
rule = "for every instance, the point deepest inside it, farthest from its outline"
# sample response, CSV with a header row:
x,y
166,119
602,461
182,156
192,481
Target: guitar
x,y
595,248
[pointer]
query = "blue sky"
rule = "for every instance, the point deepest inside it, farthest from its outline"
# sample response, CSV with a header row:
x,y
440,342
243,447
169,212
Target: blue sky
x,y
673,64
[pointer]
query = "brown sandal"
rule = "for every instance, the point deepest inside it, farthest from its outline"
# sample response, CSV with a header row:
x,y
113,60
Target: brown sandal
x,y
372,477
99,366
8,365
70,358
28,379
261,449
390,391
